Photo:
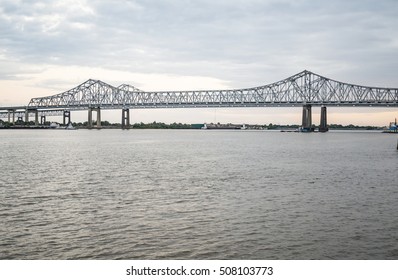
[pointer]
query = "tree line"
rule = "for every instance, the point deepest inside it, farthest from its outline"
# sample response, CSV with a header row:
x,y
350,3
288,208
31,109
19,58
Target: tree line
x,y
161,125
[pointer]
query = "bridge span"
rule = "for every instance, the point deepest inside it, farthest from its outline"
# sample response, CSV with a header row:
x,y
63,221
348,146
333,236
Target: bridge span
x,y
305,89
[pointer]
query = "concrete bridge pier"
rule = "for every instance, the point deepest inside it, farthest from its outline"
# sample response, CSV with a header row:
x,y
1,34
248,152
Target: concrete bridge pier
x,y
66,115
36,116
42,119
13,116
307,118
125,118
90,117
26,116
98,117
323,127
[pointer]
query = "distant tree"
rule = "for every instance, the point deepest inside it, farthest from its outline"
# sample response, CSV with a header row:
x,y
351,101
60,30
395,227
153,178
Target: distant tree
x,y
272,126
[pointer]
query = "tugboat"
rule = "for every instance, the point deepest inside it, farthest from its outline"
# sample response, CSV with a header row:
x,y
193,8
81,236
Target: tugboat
x,y
392,128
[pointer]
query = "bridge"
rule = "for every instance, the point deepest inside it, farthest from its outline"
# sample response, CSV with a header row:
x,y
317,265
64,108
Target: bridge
x,y
305,89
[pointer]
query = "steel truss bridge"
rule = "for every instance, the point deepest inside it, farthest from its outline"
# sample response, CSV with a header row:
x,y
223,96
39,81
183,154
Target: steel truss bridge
x,y
305,89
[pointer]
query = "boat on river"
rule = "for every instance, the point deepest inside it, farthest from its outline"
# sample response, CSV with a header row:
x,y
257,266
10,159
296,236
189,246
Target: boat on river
x,y
392,128
223,126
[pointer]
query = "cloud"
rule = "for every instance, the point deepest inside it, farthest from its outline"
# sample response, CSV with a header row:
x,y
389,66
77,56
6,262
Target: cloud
x,y
197,44
219,39
37,32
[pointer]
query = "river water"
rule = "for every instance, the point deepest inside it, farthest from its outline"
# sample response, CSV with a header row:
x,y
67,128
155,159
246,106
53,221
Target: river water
x,y
195,194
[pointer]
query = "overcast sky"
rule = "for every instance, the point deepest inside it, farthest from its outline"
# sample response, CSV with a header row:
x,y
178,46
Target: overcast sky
x,y
47,47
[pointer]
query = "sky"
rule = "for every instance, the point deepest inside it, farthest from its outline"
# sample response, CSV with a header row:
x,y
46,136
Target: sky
x,y
47,47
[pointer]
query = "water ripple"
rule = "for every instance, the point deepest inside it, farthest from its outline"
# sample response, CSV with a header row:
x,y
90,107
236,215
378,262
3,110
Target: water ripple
x,y
197,195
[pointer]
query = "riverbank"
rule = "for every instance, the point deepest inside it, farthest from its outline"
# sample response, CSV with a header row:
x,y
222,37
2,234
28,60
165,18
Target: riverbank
x,y
161,125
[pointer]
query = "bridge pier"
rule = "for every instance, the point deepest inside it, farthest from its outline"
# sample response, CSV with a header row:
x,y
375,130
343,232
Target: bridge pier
x,y
125,118
307,119
323,127
26,116
13,116
306,124
66,115
36,117
90,117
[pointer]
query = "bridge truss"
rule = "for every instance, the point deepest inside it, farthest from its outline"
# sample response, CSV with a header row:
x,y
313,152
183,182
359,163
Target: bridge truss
x,y
303,89
300,89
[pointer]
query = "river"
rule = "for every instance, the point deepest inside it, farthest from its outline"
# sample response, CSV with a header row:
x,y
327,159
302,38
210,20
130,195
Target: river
x,y
197,194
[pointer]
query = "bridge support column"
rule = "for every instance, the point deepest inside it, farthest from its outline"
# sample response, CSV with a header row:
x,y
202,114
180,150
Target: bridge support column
x,y
36,117
13,116
90,117
307,119
126,118
323,127
26,116
66,116
42,119
98,117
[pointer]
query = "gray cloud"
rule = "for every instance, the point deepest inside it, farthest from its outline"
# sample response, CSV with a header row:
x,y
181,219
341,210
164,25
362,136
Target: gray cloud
x,y
241,41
